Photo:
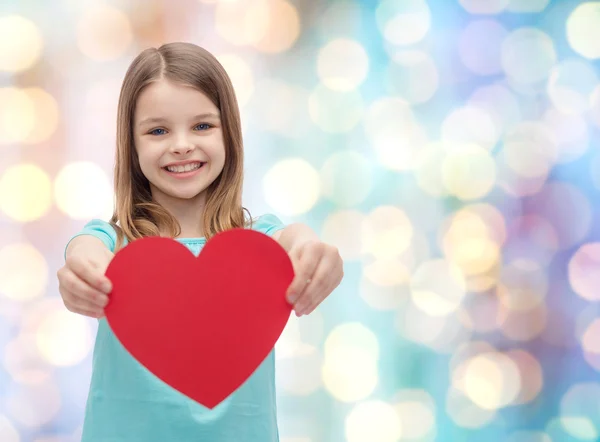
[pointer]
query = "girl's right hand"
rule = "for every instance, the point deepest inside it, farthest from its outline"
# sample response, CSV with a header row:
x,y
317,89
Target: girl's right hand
x,y
83,286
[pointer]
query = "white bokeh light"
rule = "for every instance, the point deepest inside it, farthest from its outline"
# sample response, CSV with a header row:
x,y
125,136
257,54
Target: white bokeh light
x,y
21,43
292,186
528,55
25,192
583,29
413,75
403,23
373,421
335,111
82,190
347,178
342,64
23,272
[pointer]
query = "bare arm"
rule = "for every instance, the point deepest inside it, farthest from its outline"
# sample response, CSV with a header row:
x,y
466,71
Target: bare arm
x,y
90,248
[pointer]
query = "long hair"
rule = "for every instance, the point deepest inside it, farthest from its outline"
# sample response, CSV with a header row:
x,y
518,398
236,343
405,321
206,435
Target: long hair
x,y
136,214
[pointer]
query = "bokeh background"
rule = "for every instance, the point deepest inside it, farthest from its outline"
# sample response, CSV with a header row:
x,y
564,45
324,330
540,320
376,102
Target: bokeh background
x,y
448,148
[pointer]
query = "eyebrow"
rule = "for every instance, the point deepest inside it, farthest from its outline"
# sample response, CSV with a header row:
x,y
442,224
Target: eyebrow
x,y
163,120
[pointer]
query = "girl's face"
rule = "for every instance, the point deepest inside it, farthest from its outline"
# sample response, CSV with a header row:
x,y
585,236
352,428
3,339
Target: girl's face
x,y
179,141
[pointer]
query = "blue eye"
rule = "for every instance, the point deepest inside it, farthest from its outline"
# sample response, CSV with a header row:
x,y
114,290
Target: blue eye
x,y
154,132
204,126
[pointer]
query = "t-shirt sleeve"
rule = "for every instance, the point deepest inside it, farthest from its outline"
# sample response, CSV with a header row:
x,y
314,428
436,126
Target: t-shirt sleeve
x,y
101,230
268,224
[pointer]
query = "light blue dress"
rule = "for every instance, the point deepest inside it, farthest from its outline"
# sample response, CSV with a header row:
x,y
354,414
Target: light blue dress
x,y
127,403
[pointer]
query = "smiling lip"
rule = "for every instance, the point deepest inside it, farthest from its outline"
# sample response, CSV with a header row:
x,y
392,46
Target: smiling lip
x,y
181,175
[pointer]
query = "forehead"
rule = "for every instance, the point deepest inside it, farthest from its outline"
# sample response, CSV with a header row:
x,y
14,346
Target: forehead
x,y
164,98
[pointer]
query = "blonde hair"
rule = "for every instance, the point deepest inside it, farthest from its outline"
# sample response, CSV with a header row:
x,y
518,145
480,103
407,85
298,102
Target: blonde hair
x,y
136,215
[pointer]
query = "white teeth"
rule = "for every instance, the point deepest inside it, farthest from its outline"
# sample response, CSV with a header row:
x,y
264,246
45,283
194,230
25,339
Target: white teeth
x,y
186,168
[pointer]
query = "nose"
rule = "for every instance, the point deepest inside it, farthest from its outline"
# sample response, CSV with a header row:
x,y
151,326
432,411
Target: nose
x,y
182,146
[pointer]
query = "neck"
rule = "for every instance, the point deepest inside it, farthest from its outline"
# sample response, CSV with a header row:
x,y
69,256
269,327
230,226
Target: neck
x,y
188,213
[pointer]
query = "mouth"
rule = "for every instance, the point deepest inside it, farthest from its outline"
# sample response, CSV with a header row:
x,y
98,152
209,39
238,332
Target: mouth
x,y
184,168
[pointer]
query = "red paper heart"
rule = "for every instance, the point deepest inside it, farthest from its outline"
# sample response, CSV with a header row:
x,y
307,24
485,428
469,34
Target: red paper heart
x,y
203,325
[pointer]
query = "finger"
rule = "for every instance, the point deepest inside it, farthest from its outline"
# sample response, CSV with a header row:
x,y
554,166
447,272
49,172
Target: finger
x,y
325,280
91,275
76,305
81,290
305,268
90,313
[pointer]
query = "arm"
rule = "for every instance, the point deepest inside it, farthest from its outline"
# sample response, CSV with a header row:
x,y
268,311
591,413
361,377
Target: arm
x,y
294,235
91,248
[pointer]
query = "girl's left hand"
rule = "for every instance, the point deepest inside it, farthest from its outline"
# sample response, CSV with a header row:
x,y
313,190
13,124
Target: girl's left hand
x,y
319,270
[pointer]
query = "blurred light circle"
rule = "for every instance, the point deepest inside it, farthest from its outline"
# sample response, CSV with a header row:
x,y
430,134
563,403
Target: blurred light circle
x,y
499,104
469,242
23,272
342,64
21,43
281,189
104,32
23,362
581,401
240,74
352,335
570,133
570,85
300,374
527,6
64,338
479,46
466,414
581,428
531,237
340,19
386,272
427,169
523,284
437,287
469,172
282,30
350,371
595,106
531,373
45,115
528,55
480,314
584,271
335,111
523,326
285,112
17,115
583,29
530,149
484,6
394,133
570,428
383,286
403,23
372,421
347,178
244,23
25,192
470,124
590,341
572,223
340,229
416,410
34,405
529,436
515,184
387,232
8,432
491,380
413,76
82,190
439,333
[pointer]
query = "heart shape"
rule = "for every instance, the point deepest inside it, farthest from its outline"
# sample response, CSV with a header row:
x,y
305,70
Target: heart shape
x,y
202,325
